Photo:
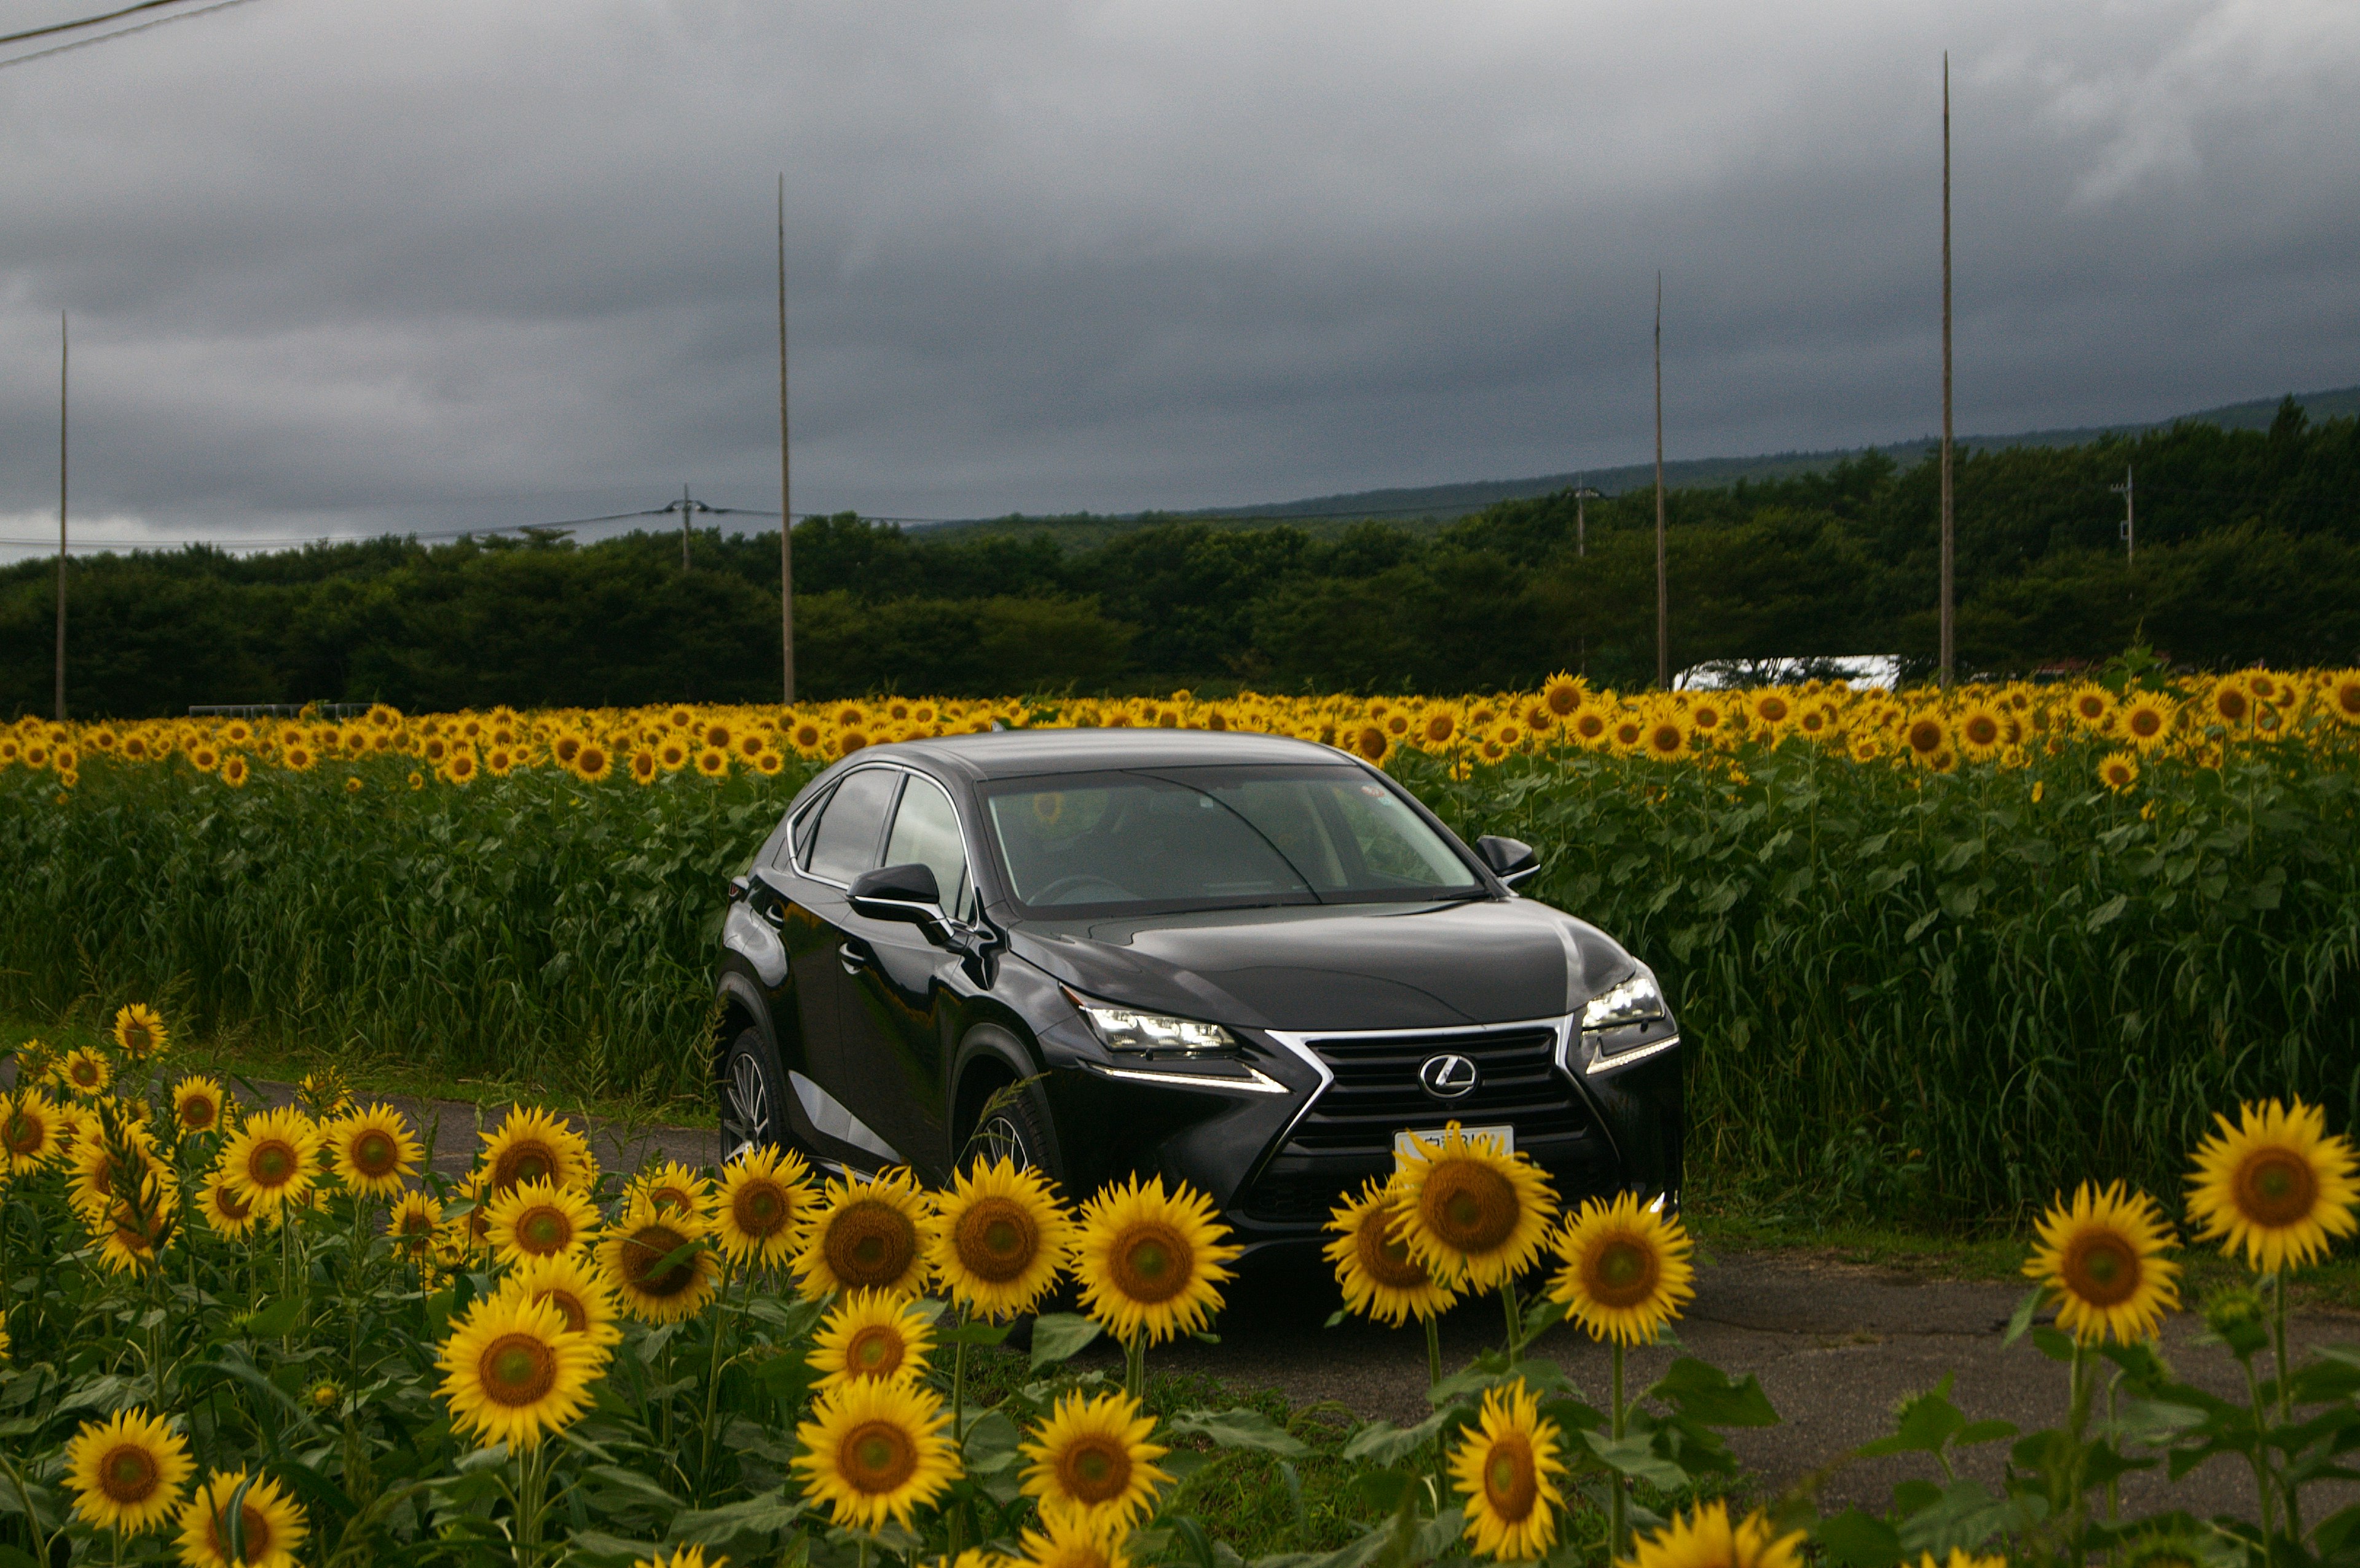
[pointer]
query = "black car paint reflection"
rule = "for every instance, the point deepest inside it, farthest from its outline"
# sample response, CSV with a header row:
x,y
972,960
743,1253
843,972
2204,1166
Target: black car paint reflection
x,y
879,1011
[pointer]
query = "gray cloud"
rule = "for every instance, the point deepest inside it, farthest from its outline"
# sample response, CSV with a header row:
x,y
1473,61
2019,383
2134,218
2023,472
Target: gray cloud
x,y
337,267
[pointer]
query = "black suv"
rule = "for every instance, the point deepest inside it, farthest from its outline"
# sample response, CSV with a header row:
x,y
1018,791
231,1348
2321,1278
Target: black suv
x,y
1248,963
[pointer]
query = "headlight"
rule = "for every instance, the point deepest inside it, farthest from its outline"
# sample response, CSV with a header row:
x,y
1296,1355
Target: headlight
x,y
1155,1034
1633,1001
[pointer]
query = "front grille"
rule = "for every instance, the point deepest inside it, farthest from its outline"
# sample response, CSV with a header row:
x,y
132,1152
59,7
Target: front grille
x,y
1376,1092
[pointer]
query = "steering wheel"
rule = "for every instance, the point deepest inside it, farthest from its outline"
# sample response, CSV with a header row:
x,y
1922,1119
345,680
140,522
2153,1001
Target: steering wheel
x,y
1050,895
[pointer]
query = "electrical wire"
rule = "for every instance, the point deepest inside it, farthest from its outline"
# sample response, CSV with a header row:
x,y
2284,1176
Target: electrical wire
x,y
109,38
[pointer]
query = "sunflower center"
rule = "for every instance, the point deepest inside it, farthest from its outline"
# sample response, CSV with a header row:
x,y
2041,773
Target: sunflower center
x,y
643,1259
373,1153
231,1204
2102,1268
272,1164
1623,1272
1510,1484
1151,1262
128,1475
996,1240
529,1161
672,1198
1924,737
254,1527
2277,1187
577,1316
22,1135
761,1208
870,1244
1384,1255
875,1350
1471,1207
516,1369
877,1456
1095,1469
196,1112
543,1231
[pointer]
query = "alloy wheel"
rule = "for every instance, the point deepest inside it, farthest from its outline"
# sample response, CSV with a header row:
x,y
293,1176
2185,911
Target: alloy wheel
x,y
745,1108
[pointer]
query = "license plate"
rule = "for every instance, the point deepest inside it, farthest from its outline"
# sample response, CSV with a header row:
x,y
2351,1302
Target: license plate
x,y
1503,1136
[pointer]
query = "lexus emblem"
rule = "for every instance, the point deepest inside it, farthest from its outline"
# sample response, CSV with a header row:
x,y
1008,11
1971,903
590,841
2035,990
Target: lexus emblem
x,y
1448,1077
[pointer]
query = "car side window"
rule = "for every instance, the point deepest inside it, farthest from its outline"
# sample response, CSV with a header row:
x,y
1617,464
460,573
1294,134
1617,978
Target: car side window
x,y
927,833
852,826
806,828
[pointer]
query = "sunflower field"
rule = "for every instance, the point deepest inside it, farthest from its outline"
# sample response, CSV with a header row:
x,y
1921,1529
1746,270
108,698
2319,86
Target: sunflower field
x,y
1936,949
272,1334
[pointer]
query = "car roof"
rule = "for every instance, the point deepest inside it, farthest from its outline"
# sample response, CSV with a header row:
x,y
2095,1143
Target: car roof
x,y
1015,753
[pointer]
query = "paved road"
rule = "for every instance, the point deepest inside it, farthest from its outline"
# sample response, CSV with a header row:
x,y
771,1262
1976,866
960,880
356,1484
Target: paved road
x,y
1836,1345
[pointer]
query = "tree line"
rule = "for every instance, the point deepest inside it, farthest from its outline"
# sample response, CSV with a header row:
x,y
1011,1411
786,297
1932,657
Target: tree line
x,y
2248,548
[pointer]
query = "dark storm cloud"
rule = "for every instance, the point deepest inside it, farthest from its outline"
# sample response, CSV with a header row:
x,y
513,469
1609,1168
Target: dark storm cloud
x,y
337,267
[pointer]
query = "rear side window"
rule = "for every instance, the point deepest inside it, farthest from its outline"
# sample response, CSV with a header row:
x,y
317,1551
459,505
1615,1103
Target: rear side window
x,y
806,826
852,826
927,833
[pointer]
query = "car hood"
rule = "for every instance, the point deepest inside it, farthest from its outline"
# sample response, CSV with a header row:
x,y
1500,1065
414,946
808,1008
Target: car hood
x,y
1329,967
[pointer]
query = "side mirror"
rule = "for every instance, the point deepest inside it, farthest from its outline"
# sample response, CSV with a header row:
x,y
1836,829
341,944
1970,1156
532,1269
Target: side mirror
x,y
907,893
1511,860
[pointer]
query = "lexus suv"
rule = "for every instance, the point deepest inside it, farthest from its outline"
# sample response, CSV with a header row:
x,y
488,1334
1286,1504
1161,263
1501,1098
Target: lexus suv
x,y
1248,963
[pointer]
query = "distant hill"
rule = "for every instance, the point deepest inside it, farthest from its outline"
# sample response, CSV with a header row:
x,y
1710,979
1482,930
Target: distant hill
x,y
1432,506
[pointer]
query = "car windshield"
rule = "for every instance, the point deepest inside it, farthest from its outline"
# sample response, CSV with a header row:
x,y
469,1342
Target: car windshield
x,y
1217,837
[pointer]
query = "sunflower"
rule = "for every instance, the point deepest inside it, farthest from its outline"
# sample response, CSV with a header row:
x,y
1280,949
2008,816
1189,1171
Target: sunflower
x,y
2102,1260
1004,1238
1380,1276
530,1145
235,772
1626,1270
139,1032
1961,1557
658,1262
85,1072
98,1151
130,1234
1067,1541
324,1092
2274,1184
694,1557
872,1334
1506,1468
2146,719
871,1232
1151,1263
412,1226
594,763
533,1219
271,1161
1092,1458
876,1450
672,1185
127,1472
30,1132
513,1371
265,1534
2342,696
2092,707
568,1283
1982,731
713,762
1703,1538
2118,770
1476,1216
197,1105
1665,737
373,1152
765,1196
227,1213
2231,704
1564,693
1926,736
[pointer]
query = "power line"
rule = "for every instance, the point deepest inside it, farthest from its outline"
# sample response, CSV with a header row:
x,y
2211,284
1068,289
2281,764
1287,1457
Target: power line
x,y
108,38
86,22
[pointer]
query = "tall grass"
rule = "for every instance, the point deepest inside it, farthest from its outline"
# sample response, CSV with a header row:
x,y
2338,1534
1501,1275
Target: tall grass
x,y
1932,995
1918,993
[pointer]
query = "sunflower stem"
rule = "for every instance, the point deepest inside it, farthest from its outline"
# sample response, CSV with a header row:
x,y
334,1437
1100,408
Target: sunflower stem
x,y
2264,1493
1614,1540
712,1387
1134,1366
2286,1382
1433,1349
1516,1320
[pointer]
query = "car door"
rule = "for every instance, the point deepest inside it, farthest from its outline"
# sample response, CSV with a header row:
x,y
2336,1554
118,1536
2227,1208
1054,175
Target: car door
x,y
847,840
895,1058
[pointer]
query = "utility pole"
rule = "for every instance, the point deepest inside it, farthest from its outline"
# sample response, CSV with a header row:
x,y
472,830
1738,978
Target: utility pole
x,y
686,506
1950,542
786,502
61,516
1582,494
2130,529
1663,581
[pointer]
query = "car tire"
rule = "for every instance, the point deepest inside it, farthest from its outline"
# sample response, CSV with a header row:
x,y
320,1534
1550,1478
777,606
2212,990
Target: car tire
x,y
753,1095
1014,1124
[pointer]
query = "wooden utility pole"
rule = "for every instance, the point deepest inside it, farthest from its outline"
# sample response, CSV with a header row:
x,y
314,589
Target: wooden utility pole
x,y
61,516
1949,541
786,498
1663,581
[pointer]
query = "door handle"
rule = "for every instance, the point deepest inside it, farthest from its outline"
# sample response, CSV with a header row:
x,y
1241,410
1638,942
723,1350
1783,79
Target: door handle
x,y
854,956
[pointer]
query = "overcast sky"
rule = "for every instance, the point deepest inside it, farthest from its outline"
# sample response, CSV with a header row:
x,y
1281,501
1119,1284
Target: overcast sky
x,y
337,267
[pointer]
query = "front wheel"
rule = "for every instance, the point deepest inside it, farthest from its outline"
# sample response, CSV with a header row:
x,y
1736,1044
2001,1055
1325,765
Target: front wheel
x,y
1013,1127
753,1096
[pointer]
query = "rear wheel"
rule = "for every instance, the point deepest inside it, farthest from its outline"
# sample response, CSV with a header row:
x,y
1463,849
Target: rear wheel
x,y
753,1096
